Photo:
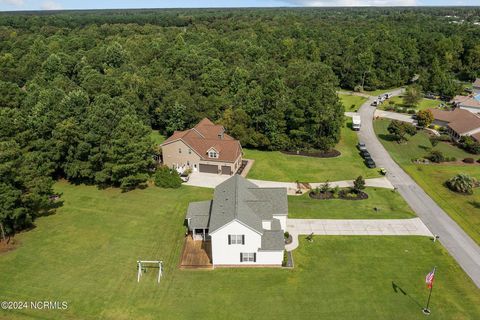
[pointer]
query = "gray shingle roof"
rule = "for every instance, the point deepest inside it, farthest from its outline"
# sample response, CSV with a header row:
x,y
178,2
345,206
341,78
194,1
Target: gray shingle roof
x,y
199,214
273,240
237,198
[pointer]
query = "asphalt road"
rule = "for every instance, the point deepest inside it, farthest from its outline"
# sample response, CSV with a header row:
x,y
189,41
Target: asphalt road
x,y
465,251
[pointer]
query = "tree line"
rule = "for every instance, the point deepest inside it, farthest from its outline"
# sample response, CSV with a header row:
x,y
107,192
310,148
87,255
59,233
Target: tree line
x,y
81,91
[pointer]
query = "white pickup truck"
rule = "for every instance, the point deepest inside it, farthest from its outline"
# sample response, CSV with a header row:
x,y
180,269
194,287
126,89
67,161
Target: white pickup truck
x,y
356,122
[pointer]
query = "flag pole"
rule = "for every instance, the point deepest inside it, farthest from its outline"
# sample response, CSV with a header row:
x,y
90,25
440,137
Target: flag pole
x,y
426,310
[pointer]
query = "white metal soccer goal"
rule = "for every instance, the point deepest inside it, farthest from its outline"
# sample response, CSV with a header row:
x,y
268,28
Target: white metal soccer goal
x,y
143,265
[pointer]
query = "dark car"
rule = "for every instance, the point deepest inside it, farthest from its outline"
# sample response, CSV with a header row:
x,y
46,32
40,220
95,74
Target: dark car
x,y
361,146
370,163
365,153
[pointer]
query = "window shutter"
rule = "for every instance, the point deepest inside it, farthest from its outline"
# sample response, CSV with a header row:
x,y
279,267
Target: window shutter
x,y
243,239
229,239
255,257
241,257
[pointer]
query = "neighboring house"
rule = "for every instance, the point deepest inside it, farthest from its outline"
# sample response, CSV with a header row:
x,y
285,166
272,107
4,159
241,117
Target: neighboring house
x,y
459,122
204,148
470,103
244,223
476,86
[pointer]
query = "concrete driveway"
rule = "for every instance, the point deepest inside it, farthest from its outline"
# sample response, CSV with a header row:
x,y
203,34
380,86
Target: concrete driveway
x,y
211,180
394,116
364,227
462,248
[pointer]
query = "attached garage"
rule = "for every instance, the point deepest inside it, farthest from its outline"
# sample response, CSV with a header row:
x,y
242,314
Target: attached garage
x,y
208,168
226,170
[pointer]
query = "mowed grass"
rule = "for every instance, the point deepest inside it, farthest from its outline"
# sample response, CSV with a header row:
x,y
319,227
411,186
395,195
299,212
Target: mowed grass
x,y
156,137
276,166
351,102
85,254
423,104
389,204
464,209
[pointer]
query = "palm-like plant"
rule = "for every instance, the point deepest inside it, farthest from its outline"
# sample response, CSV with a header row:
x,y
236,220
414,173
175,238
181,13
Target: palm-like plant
x,y
462,183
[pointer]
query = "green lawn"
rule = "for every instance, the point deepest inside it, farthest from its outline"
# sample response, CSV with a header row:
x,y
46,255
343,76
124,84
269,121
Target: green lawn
x,y
464,209
423,105
389,203
276,166
85,254
349,100
157,137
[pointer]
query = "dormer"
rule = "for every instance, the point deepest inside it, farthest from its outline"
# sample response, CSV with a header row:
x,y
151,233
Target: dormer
x,y
213,153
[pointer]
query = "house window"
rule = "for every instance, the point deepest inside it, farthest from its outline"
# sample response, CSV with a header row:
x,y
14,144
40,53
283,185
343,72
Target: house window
x,y
236,239
189,151
179,150
213,154
248,257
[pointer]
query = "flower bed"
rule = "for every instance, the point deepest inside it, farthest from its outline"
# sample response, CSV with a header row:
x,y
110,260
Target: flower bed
x,y
344,194
315,154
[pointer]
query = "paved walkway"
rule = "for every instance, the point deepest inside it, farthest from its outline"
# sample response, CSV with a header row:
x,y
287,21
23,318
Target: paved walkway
x,y
355,227
394,116
465,251
209,180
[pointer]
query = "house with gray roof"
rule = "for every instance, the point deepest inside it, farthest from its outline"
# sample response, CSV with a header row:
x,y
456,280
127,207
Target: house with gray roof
x,y
244,223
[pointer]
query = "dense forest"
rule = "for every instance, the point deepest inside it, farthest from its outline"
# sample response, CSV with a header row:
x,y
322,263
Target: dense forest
x,y
81,91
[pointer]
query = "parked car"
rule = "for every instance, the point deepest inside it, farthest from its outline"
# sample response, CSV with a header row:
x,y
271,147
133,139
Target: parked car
x,y
387,95
374,103
365,153
370,163
430,96
185,177
361,146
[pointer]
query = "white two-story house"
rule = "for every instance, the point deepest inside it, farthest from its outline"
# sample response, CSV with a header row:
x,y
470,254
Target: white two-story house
x,y
244,223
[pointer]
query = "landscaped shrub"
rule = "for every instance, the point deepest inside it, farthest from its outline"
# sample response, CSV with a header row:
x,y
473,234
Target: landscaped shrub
x,y
469,160
358,184
436,156
286,235
167,178
411,111
462,183
445,138
470,145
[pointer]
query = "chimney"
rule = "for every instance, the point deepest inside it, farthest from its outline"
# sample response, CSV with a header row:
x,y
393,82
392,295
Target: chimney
x,y
220,135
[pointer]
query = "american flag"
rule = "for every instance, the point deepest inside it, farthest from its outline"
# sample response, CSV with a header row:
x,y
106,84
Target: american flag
x,y
429,279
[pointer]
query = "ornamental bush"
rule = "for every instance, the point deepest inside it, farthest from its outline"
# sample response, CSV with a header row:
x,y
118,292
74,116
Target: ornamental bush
x,y
462,183
167,178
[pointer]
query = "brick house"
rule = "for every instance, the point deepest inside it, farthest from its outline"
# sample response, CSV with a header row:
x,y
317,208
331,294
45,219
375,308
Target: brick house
x,y
204,148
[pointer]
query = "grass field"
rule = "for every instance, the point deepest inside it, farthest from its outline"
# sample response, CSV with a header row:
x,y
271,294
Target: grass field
x,y
276,166
350,101
157,137
423,105
85,254
464,209
389,203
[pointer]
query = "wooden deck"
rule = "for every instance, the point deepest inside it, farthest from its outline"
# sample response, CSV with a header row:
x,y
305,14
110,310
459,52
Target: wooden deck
x,y
196,254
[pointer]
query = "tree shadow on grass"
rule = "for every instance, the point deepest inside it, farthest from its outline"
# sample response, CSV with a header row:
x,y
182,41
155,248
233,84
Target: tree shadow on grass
x,y
399,289
475,204
386,137
426,148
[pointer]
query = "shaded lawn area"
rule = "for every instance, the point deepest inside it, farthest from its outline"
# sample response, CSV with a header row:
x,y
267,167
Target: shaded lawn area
x,y
351,102
85,254
157,137
423,105
276,166
389,203
464,209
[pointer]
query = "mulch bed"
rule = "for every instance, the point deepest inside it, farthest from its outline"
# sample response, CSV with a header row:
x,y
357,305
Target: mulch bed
x,y
8,245
315,154
342,194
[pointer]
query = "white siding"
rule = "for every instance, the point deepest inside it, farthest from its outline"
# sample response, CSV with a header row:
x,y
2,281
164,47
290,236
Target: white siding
x,y
223,253
270,257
